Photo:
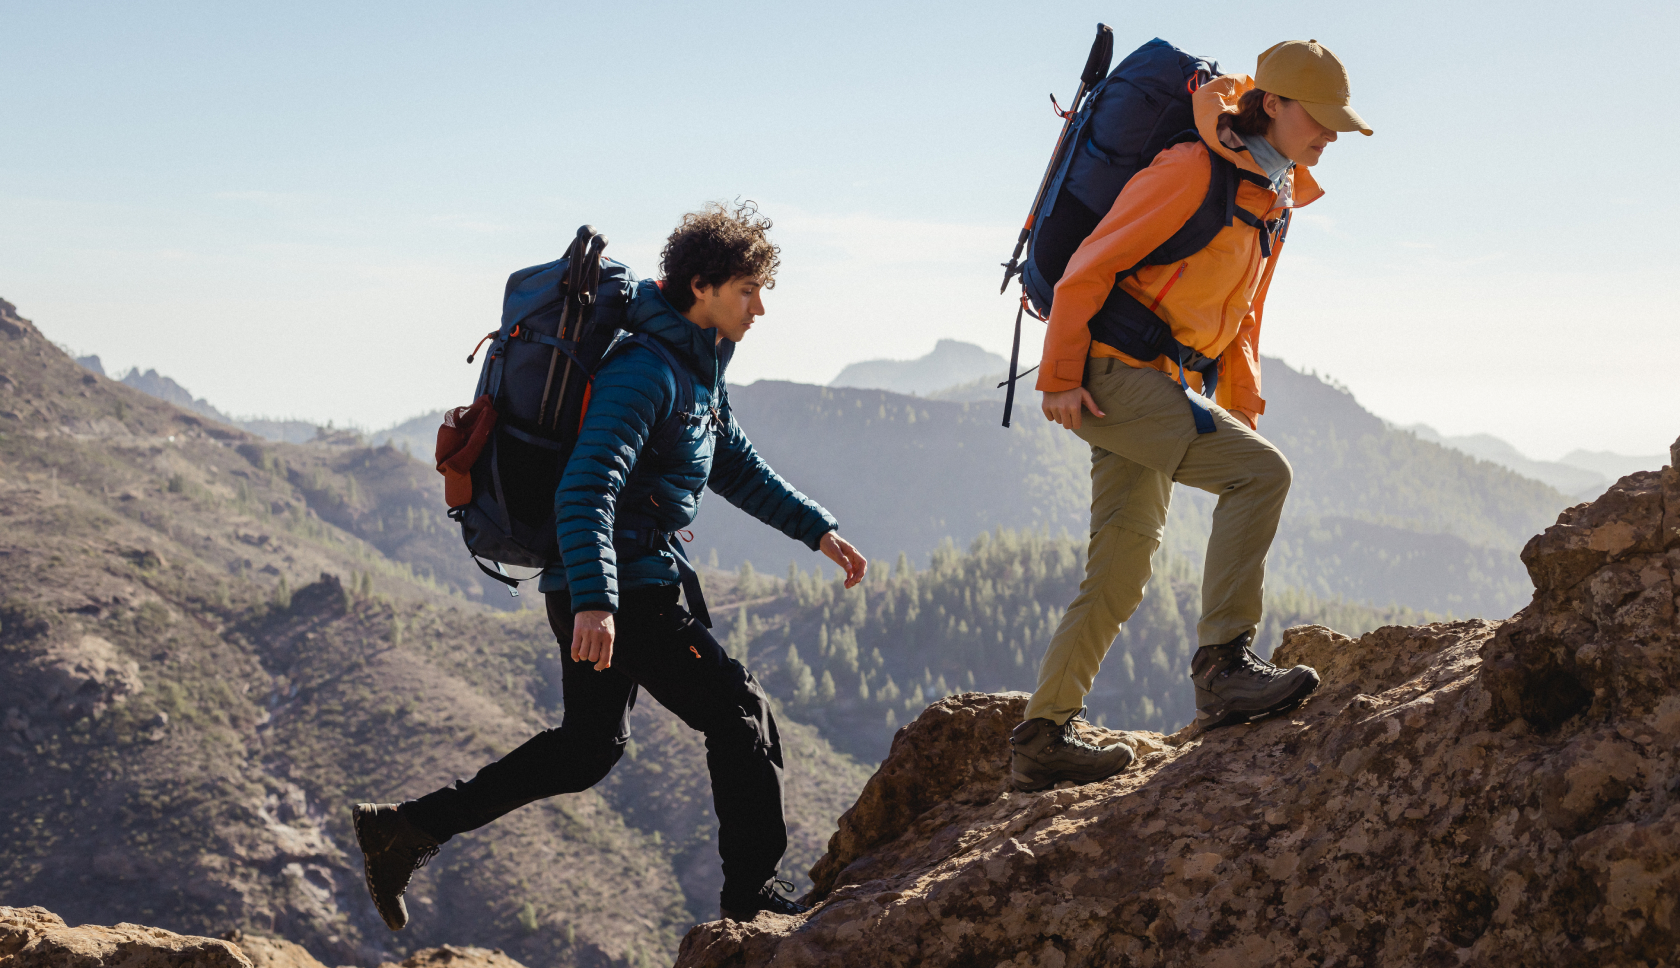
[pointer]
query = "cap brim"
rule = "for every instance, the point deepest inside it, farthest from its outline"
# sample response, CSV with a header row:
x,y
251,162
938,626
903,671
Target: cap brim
x,y
1336,117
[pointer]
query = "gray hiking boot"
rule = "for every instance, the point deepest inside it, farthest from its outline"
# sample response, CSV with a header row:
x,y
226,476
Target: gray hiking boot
x,y
1044,754
1233,685
392,850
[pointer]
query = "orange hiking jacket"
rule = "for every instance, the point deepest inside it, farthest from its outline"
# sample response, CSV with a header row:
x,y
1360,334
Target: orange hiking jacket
x,y
1213,299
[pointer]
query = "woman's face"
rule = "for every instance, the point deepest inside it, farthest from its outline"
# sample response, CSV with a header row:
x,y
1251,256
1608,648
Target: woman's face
x,y
1295,133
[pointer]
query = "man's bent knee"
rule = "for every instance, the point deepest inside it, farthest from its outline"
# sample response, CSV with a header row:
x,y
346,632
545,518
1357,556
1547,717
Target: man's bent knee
x,y
746,721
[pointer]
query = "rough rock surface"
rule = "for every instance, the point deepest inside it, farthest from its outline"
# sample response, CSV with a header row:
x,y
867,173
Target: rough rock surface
x,y
265,952
1482,793
34,937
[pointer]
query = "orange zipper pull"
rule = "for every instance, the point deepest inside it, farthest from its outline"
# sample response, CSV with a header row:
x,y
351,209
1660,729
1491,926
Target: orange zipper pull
x,y
487,336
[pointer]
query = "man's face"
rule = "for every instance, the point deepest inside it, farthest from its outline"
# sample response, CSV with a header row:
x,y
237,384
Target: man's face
x,y
730,308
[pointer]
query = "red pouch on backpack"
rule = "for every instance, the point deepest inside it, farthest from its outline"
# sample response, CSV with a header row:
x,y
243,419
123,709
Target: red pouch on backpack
x,y
462,437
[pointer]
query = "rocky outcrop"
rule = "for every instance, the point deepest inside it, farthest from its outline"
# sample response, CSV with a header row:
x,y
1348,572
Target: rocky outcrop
x,y
34,937
1482,793
84,677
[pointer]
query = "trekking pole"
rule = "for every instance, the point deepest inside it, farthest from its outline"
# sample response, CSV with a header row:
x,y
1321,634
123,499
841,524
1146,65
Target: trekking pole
x,y
587,281
1096,68
574,259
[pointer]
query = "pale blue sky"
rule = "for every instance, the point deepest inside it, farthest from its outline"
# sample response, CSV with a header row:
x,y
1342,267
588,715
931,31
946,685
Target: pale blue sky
x,y
309,208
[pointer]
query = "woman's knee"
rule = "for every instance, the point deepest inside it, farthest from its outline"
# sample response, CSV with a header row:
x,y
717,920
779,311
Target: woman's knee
x,y
1273,471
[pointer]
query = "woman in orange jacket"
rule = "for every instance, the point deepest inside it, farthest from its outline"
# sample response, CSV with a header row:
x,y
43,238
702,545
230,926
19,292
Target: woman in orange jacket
x,y
1141,423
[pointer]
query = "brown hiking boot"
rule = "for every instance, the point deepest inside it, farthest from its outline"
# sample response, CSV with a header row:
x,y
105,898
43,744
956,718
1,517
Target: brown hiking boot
x,y
392,850
1233,685
1044,754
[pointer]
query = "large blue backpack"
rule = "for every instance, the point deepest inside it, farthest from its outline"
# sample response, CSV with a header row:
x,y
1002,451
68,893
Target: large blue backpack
x,y
560,321
1140,109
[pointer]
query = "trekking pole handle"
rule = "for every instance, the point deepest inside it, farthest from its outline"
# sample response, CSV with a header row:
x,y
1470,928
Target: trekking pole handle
x,y
1102,54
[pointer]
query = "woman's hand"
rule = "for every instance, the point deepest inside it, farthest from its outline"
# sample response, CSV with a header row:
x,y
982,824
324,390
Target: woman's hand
x,y
1064,406
592,638
841,552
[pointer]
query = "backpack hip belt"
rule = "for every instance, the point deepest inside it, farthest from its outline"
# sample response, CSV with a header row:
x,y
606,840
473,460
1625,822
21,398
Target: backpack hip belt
x,y
1128,325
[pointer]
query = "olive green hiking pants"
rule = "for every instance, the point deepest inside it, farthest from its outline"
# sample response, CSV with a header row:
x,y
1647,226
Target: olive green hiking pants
x,y
1145,441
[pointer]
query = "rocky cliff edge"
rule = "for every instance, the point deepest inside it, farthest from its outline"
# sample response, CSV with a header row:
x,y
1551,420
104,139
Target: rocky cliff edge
x,y
1463,793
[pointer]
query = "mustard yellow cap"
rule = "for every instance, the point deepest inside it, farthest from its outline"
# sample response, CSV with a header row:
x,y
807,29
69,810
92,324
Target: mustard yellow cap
x,y
1306,71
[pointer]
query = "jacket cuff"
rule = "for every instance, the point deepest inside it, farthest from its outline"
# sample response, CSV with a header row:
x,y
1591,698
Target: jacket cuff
x,y
595,602
1242,398
813,539
1061,375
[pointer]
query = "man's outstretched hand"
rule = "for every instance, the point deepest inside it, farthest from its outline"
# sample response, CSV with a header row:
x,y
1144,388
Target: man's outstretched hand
x,y
592,638
841,552
1065,406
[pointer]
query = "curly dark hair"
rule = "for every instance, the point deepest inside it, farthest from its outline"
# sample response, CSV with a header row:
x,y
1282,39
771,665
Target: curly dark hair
x,y
1251,117
717,245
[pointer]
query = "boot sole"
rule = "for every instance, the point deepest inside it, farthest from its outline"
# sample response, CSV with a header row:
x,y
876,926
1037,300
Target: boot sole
x,y
1232,717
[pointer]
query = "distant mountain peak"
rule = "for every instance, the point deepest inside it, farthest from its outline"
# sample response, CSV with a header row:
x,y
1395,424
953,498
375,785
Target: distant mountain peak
x,y
951,362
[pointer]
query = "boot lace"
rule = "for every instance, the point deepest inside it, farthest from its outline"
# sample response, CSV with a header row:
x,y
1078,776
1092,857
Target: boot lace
x,y
1251,663
1070,734
425,855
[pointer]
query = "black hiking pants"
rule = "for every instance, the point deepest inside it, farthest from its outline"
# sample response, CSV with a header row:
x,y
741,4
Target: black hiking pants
x,y
659,647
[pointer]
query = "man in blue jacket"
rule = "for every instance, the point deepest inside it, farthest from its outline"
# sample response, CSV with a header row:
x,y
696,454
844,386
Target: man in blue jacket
x,y
614,600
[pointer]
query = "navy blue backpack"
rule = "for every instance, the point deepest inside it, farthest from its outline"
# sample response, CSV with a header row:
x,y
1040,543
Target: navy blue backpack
x,y
560,320
1113,132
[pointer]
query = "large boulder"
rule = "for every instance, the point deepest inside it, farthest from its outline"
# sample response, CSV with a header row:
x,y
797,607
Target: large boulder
x,y
1482,793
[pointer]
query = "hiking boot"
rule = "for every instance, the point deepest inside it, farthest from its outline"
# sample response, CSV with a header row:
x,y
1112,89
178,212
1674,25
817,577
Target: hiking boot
x,y
392,850
1233,685
745,907
1044,754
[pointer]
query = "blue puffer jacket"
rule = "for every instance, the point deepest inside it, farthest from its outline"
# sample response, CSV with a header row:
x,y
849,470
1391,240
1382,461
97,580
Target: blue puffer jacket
x,y
609,481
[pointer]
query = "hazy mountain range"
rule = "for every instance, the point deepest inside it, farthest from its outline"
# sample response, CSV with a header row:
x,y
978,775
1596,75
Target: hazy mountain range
x,y
1379,514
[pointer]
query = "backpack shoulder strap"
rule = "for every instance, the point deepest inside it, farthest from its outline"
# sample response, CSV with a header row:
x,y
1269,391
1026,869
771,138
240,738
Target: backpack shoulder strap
x,y
1219,208
682,409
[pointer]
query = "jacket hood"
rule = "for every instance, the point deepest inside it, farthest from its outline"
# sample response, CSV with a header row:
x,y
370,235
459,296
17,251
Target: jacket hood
x,y
698,348
1219,97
